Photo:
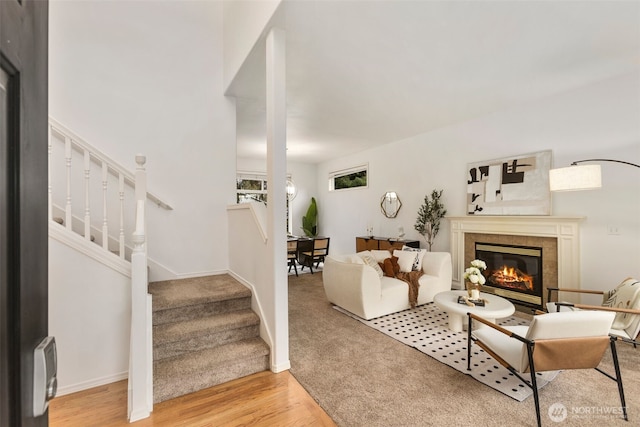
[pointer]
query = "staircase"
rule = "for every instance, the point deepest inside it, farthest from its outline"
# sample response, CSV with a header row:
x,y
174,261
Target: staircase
x,y
204,334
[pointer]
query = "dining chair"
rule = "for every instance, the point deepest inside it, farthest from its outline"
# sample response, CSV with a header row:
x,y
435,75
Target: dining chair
x,y
292,255
314,253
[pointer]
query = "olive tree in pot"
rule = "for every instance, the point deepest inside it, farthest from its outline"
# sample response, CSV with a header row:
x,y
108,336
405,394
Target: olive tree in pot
x,y
429,216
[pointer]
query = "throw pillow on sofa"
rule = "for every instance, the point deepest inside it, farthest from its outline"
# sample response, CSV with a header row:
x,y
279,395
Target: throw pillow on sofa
x,y
380,254
406,260
390,266
371,262
417,264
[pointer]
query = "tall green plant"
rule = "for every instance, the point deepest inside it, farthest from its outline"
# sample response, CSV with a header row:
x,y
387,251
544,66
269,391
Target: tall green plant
x,y
310,220
429,216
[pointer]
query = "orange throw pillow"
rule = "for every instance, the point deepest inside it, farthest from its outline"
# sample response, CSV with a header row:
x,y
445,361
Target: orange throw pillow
x,y
391,267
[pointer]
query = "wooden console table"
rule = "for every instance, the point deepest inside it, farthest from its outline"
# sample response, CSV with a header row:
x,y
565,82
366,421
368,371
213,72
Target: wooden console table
x,y
371,243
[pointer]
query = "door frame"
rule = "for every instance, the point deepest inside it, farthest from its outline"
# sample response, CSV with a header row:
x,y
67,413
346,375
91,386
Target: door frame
x,y
24,289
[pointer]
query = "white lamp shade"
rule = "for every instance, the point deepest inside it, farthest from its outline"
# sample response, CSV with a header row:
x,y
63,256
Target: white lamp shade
x,y
573,178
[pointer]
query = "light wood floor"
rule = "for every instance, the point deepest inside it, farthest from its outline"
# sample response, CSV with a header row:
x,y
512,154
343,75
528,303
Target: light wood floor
x,y
263,399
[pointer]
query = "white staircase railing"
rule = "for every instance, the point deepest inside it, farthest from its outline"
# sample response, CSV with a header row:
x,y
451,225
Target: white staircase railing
x,y
66,148
100,209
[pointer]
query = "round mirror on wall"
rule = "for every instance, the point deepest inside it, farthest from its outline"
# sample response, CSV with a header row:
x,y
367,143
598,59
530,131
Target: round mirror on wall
x,y
390,204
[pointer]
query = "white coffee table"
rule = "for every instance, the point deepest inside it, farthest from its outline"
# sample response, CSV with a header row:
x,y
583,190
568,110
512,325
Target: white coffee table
x,y
496,308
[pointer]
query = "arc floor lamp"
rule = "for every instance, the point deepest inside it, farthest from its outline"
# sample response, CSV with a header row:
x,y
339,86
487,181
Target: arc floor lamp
x,y
580,177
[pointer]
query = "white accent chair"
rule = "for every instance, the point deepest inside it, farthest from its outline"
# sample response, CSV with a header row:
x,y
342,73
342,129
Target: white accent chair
x,y
553,341
624,301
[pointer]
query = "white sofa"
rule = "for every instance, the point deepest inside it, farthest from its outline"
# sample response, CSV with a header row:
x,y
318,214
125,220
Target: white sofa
x,y
357,287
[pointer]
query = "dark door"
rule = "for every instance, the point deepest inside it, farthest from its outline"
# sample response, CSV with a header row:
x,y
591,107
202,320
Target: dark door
x,y
23,203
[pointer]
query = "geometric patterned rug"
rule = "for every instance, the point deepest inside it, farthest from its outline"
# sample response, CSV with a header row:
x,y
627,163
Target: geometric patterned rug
x,y
426,329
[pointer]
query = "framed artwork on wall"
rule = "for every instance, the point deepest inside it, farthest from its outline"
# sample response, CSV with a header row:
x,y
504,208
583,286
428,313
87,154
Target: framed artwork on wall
x,y
516,185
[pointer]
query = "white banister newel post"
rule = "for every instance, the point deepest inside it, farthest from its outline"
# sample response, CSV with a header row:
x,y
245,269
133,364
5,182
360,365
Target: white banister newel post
x,y
139,354
141,348
141,177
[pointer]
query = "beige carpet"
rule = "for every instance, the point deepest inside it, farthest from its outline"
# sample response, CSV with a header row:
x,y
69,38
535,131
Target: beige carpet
x,y
361,377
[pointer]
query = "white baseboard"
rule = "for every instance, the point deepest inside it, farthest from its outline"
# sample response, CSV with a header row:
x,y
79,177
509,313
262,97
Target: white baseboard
x,y
96,382
281,367
201,274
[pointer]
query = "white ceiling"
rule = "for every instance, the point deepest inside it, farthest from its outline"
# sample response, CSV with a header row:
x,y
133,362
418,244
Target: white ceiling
x,y
364,73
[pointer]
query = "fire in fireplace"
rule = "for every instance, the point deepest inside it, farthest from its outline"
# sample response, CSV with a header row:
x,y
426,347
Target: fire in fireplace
x,y
514,272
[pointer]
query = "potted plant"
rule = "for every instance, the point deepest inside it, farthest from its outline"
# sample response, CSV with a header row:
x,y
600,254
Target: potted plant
x,y
310,220
429,216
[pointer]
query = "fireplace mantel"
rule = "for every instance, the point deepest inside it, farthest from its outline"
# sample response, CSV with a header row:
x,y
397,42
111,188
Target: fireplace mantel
x,y
565,229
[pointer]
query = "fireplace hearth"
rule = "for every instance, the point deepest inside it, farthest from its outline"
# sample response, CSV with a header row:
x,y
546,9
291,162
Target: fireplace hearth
x,y
513,272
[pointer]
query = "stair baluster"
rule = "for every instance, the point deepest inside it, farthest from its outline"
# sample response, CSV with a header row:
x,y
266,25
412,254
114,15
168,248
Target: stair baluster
x,y
67,156
121,193
105,226
87,210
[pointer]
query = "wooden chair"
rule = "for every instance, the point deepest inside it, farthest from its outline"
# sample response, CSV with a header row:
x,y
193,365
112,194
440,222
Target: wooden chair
x,y
313,252
624,300
553,341
292,255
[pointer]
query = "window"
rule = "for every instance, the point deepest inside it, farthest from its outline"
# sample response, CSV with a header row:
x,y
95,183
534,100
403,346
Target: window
x,y
349,178
252,187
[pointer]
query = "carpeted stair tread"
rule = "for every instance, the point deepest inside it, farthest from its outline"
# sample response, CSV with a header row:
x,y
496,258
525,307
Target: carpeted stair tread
x,y
179,331
202,369
196,291
195,311
174,339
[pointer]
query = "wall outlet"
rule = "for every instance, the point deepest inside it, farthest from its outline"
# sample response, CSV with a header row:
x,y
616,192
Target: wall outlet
x,y
613,230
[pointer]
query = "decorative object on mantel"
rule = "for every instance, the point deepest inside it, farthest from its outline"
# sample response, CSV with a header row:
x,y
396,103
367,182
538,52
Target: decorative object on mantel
x,y
517,185
584,177
390,204
310,220
429,216
474,279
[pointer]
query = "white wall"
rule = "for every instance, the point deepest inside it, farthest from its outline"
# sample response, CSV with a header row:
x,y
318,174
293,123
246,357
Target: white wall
x,y
244,22
304,175
90,316
595,121
126,81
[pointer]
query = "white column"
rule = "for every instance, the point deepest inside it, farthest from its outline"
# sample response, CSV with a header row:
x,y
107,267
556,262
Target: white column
x,y
276,208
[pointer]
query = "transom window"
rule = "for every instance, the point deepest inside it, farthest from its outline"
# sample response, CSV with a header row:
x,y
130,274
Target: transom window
x,y
349,178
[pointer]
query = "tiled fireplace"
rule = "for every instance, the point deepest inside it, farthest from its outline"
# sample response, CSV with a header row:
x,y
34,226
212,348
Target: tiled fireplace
x,y
531,253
